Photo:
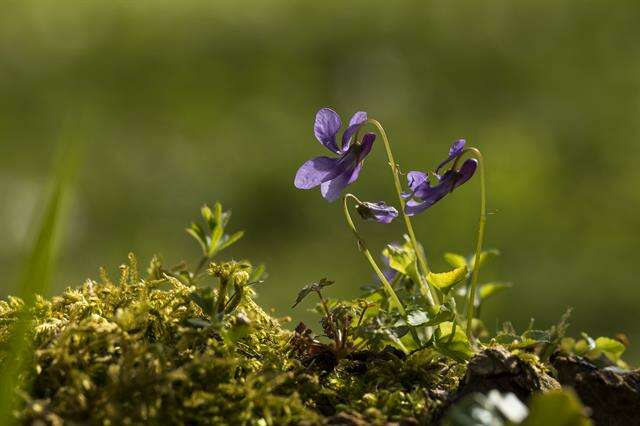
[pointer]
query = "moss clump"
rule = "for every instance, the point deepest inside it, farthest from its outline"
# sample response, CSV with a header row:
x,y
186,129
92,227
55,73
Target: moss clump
x,y
163,350
127,353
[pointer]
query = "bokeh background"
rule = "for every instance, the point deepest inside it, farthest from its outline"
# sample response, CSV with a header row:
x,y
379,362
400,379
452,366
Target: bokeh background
x,y
178,103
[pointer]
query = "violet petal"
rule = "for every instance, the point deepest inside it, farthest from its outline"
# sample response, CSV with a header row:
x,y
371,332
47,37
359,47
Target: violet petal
x,y
315,171
326,128
358,119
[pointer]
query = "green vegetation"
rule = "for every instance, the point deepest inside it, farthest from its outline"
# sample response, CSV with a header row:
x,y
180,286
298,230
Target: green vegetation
x,y
174,345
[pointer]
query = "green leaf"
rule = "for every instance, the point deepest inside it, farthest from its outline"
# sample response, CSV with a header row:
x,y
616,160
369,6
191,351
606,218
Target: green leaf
x,y
611,348
541,336
445,280
229,240
433,315
35,278
556,408
401,259
491,289
196,232
453,344
207,215
455,260
584,345
217,213
484,256
313,287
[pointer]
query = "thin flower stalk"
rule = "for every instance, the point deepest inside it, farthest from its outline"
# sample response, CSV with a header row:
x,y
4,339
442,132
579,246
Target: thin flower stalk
x,y
362,246
424,266
481,225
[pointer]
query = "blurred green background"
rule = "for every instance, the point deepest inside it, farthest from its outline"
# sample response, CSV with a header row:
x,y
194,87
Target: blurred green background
x,y
181,103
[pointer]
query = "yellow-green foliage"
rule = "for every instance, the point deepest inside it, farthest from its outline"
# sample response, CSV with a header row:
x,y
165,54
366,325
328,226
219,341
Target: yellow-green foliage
x,y
125,353
142,351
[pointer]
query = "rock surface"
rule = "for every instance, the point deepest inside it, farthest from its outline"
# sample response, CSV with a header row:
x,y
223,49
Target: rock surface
x,y
612,394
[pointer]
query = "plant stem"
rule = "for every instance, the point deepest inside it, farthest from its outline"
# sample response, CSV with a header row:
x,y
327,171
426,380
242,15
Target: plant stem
x,y
336,336
424,286
362,246
481,224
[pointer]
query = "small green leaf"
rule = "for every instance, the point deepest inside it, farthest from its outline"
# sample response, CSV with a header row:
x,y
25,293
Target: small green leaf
x,y
304,292
585,345
217,232
611,348
433,315
484,256
451,343
455,260
445,280
217,213
229,240
207,215
531,338
401,258
491,289
196,232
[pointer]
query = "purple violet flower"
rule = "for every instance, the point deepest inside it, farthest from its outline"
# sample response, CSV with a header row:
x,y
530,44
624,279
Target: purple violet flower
x,y
423,195
334,174
454,152
380,211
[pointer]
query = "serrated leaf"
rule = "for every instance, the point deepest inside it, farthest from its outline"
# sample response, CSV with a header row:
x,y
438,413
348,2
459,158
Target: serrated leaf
x,y
445,280
313,287
491,289
455,260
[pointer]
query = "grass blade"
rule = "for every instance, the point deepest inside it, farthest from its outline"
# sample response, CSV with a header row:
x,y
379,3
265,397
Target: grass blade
x,y
35,280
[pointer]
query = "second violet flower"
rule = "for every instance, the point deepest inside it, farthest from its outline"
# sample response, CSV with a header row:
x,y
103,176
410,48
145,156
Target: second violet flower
x,y
423,195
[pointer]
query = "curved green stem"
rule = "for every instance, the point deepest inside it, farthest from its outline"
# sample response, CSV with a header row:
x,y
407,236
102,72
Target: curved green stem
x,y
362,246
481,224
424,286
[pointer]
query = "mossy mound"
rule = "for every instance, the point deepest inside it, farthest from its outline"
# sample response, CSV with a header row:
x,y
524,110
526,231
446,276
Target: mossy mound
x,y
146,351
137,352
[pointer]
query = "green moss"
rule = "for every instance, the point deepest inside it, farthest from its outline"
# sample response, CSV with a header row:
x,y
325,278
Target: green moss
x,y
126,353
163,350
136,352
